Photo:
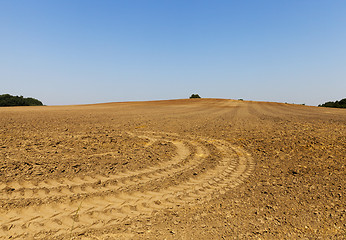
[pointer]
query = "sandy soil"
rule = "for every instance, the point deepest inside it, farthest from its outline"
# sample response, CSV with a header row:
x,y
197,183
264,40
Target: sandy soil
x,y
179,169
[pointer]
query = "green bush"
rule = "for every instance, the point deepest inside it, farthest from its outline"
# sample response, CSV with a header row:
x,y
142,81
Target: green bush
x,y
336,104
7,100
195,96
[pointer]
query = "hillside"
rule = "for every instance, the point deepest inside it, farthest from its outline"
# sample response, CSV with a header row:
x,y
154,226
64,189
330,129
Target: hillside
x,y
182,169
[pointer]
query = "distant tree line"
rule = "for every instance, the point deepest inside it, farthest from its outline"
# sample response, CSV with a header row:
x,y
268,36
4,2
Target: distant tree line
x,y
7,100
336,104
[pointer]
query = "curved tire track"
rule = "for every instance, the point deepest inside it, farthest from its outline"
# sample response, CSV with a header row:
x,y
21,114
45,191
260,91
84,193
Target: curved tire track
x,y
202,169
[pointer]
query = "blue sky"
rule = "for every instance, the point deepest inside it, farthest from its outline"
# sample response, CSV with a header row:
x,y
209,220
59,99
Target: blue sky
x,y
81,51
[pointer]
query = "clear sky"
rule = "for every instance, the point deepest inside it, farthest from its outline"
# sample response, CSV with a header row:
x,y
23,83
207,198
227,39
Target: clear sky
x,y
82,51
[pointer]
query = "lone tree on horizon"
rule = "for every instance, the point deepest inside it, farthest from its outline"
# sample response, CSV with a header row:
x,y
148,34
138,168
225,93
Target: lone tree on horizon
x,y
195,96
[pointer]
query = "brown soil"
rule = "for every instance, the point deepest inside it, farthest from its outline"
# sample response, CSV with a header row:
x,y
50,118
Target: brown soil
x,y
179,169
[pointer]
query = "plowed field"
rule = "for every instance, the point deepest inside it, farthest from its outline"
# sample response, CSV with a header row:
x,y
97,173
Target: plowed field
x,y
178,169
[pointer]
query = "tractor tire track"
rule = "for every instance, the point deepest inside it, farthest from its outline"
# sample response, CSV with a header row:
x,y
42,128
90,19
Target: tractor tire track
x,y
202,169
64,186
